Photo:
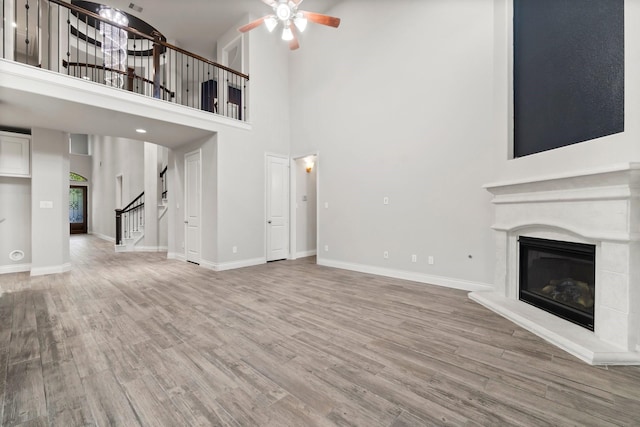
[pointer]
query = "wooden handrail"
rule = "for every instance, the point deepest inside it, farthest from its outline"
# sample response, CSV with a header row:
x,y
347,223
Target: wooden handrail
x,y
148,37
66,64
126,208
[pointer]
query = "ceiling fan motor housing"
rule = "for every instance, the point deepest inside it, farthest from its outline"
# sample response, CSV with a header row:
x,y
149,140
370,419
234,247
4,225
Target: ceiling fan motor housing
x,y
284,11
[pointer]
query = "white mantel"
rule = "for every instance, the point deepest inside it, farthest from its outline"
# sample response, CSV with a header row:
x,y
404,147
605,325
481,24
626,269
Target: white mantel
x,y
599,207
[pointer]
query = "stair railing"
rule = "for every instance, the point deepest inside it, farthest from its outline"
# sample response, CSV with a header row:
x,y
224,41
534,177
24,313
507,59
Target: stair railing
x,y
163,178
130,219
67,39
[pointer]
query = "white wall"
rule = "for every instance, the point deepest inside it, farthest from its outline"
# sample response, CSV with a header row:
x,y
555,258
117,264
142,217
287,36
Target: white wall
x,y
111,157
398,101
79,144
50,202
234,163
81,165
15,230
305,204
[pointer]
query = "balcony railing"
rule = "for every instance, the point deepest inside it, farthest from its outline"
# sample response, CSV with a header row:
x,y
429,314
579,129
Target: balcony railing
x,y
68,39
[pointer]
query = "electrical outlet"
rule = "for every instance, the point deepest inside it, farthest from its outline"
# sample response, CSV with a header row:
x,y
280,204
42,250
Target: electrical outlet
x,y
430,260
385,200
234,249
414,258
385,255
326,248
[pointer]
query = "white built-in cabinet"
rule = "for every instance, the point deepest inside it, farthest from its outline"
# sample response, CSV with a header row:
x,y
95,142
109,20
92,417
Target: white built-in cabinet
x,y
15,154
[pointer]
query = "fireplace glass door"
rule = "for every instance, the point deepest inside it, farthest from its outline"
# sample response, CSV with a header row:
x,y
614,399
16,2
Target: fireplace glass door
x,y
559,277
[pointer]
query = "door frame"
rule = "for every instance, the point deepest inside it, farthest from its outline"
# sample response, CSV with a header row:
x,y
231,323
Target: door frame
x,y
85,209
266,201
293,200
186,243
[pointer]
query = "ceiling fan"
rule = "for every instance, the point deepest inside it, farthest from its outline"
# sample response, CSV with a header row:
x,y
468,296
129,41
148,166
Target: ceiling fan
x,y
286,11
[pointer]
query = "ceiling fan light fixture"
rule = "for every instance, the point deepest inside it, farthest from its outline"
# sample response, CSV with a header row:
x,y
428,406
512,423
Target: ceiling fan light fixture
x,y
287,34
293,20
271,22
283,11
300,21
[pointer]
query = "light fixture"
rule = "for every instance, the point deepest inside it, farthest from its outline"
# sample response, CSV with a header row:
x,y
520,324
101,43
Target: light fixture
x,y
287,34
114,45
271,22
283,11
140,130
308,164
300,21
286,12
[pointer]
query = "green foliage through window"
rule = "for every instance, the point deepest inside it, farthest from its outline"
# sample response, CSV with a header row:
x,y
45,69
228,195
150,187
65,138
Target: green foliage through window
x,y
75,177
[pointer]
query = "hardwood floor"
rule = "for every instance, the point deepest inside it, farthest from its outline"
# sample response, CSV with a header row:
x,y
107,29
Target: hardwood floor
x,y
134,339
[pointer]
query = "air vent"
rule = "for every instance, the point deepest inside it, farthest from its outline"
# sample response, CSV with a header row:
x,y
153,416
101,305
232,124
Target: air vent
x,y
135,7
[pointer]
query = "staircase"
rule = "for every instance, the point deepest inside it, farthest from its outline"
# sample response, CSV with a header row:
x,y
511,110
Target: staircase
x,y
130,225
130,220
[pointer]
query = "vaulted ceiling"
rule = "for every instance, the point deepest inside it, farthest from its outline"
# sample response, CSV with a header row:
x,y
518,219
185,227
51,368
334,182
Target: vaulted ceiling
x,y
195,25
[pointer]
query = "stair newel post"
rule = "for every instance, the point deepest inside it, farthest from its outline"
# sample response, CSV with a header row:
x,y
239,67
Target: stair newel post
x,y
157,50
118,226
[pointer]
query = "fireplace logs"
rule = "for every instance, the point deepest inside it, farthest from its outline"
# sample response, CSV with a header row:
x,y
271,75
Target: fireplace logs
x,y
572,292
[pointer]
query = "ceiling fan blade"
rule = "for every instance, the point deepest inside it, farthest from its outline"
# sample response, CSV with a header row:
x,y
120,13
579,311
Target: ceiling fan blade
x,y
294,44
271,3
297,2
253,24
319,18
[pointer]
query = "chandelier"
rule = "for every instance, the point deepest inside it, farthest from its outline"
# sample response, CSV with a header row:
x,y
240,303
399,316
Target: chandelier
x,y
114,46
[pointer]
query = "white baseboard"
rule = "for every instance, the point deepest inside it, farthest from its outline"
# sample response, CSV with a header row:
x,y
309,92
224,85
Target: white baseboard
x,y
304,254
177,256
446,282
150,249
55,269
103,237
17,268
232,265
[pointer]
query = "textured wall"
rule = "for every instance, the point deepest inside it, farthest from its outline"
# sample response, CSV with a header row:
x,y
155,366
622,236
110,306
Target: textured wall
x,y
568,72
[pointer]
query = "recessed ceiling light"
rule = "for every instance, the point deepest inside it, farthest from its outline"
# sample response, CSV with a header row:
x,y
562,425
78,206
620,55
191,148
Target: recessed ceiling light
x,y
141,130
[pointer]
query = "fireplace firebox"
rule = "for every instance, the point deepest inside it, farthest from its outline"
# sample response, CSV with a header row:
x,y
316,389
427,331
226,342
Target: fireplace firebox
x,y
559,277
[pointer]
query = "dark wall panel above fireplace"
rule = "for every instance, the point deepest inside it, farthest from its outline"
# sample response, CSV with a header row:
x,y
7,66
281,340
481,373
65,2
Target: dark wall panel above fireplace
x,y
568,72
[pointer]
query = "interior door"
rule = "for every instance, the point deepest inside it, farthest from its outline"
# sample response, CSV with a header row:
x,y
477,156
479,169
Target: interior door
x,y
277,208
192,206
77,209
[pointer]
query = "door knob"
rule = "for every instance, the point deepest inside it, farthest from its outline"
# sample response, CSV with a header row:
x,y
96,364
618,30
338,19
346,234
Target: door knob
x,y
269,222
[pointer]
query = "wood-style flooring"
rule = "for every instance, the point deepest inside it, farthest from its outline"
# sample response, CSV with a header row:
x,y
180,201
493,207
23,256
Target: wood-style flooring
x,y
134,339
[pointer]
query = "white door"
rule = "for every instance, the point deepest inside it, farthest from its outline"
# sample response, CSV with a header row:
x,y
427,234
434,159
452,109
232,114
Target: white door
x,y
277,208
192,206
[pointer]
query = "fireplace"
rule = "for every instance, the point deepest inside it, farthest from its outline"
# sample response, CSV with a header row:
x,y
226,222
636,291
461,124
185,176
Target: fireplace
x,y
598,213
559,277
